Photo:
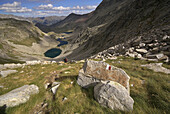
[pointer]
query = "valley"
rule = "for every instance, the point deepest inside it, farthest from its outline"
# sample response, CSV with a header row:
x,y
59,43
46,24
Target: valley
x,y
112,60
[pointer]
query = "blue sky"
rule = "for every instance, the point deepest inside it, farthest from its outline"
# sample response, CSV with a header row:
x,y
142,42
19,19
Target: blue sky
x,y
39,8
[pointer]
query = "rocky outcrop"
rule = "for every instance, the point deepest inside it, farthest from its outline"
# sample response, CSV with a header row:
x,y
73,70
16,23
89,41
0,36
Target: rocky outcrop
x,y
18,96
113,95
157,67
141,47
111,84
7,72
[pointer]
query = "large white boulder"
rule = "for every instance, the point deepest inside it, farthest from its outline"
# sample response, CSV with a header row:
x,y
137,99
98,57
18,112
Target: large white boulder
x,y
18,96
94,71
113,95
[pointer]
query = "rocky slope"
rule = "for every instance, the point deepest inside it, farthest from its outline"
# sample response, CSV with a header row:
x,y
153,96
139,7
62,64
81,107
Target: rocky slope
x,y
115,22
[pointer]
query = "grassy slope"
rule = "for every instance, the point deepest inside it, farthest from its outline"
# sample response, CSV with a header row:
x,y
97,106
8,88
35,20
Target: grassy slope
x,y
4,61
150,97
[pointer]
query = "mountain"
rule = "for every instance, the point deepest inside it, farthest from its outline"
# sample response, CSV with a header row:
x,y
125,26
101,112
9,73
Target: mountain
x,y
21,40
13,16
118,21
49,20
69,23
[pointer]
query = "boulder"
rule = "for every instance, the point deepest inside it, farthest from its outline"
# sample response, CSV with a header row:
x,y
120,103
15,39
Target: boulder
x,y
159,56
18,96
86,81
141,51
157,67
94,71
7,72
113,95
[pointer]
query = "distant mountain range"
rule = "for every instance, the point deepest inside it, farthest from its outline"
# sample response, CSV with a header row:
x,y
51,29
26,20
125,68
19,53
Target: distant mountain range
x,y
46,20
49,20
69,23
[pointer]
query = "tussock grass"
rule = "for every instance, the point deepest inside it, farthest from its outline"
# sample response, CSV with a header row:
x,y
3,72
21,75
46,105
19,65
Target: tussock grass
x,y
150,90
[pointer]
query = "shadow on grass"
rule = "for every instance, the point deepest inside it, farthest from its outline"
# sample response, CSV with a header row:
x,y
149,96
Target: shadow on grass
x,y
3,109
65,77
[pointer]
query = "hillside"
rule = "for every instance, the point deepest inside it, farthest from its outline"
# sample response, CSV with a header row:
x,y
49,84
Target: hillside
x,y
21,40
69,23
149,94
114,22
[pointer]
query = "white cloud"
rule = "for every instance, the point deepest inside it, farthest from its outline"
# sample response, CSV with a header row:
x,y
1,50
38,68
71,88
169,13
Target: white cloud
x,y
78,8
90,7
14,4
19,10
14,7
61,8
50,7
43,7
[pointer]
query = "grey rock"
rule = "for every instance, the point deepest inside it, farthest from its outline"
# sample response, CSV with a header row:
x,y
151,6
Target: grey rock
x,y
157,67
46,86
142,45
113,95
99,70
55,83
86,81
18,96
141,51
155,60
166,37
54,88
134,54
64,99
159,56
7,72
